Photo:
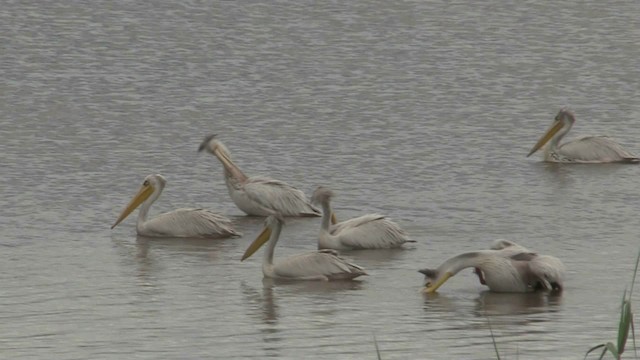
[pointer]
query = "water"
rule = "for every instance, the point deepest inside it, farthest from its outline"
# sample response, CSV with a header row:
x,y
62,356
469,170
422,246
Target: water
x,y
420,110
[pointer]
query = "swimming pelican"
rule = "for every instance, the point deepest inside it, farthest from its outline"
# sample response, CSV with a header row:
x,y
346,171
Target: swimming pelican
x,y
508,268
587,149
316,265
258,195
371,231
177,223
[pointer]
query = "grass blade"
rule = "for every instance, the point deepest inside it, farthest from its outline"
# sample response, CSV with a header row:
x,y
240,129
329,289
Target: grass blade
x,y
595,348
625,323
493,338
613,350
375,342
635,272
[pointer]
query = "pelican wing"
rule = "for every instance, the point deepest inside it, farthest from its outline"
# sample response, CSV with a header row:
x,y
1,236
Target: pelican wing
x,y
369,232
279,196
549,270
190,223
317,264
596,149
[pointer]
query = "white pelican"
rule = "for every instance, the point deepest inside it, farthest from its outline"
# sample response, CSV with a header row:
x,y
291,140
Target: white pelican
x,y
177,223
258,195
587,149
507,268
371,231
315,265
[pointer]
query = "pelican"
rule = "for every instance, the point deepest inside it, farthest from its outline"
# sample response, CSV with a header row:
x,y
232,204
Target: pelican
x,y
587,149
177,223
258,195
371,231
316,265
507,267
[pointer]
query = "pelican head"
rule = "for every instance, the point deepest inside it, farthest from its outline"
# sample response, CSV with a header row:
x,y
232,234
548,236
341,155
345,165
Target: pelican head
x,y
152,184
270,223
321,194
563,121
434,278
214,146
217,148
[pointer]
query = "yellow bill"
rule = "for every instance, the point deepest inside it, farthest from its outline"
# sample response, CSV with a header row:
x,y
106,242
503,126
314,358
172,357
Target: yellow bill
x,y
557,125
334,219
257,243
142,195
433,288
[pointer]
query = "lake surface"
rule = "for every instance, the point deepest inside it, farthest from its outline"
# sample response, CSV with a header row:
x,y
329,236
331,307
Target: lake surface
x,y
421,110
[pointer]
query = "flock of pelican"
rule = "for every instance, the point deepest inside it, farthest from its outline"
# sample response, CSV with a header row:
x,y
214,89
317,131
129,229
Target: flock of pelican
x,y
505,267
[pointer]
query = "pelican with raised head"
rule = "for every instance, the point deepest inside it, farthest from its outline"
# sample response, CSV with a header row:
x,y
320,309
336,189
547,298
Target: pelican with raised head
x,y
371,231
587,149
258,195
177,223
507,267
323,265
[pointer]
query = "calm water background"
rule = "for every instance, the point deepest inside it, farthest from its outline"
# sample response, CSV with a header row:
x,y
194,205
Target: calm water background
x,y
422,110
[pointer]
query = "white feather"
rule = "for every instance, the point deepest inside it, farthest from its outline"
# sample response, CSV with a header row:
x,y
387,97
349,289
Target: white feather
x,y
371,231
508,267
258,195
586,149
315,265
177,223
189,223
593,149
321,265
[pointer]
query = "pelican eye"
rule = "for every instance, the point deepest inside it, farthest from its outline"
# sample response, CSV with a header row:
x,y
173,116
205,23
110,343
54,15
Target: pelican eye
x,y
428,284
146,183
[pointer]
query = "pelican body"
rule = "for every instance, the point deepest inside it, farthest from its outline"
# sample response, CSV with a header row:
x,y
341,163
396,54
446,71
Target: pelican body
x,y
258,195
323,265
177,223
507,267
371,231
587,149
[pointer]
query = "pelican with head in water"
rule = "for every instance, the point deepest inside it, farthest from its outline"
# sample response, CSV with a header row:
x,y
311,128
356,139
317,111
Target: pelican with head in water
x,y
587,149
371,231
507,267
177,223
323,265
258,195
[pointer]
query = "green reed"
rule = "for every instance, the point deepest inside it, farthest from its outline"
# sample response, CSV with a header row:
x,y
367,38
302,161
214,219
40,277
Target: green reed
x,y
377,349
625,324
493,338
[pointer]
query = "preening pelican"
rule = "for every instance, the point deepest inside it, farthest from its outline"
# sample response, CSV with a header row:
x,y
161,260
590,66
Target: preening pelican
x,y
371,231
177,223
587,149
258,195
507,268
316,265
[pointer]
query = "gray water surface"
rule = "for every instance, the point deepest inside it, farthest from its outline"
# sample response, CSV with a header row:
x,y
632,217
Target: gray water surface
x,y
421,110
